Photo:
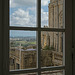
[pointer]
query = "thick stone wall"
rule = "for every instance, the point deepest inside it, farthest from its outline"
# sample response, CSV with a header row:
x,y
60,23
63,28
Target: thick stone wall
x,y
54,39
28,59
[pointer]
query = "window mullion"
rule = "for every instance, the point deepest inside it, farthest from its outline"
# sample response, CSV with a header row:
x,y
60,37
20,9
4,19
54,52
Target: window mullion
x,y
37,29
36,70
68,37
39,36
39,52
23,71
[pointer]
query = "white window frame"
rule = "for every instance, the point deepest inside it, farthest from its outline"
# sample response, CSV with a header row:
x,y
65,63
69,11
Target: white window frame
x,y
68,40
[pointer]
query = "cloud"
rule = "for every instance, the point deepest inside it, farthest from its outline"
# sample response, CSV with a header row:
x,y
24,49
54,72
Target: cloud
x,y
27,3
22,3
45,2
21,17
32,8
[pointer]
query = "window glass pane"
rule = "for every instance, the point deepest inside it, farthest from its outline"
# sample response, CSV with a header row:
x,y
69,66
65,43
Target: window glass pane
x,y
23,13
52,48
23,51
56,72
52,13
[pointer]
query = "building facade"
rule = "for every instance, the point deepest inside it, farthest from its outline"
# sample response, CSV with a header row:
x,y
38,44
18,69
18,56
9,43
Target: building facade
x,y
54,39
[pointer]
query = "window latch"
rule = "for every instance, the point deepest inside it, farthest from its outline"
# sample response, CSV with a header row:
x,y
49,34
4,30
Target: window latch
x,y
73,53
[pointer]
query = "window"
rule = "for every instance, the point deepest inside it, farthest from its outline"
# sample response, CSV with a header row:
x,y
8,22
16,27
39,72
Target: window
x,y
39,42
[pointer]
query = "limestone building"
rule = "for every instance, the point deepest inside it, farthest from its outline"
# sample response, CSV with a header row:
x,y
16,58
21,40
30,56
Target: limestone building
x,y
26,59
54,39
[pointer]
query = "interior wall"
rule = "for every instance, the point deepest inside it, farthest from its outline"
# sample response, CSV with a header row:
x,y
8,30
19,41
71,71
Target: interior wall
x,y
1,38
73,45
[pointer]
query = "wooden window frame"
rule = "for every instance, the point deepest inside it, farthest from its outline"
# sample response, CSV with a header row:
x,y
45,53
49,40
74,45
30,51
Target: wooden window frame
x,y
68,39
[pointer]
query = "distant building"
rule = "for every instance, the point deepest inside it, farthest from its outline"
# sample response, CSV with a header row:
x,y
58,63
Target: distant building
x,y
25,59
22,59
54,39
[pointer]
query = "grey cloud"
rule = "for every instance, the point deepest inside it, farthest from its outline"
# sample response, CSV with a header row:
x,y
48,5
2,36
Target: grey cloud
x,y
19,3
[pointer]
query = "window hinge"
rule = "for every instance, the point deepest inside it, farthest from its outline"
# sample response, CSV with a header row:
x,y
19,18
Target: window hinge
x,y
72,50
72,59
72,53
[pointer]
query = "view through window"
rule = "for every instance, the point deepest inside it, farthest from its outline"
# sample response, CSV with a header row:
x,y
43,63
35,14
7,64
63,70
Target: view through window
x,y
23,52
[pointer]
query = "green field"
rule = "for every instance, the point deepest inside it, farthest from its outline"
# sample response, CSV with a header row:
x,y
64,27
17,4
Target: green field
x,y
23,43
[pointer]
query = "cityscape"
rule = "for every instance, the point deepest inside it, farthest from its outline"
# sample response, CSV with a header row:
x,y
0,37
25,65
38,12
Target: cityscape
x,y
23,49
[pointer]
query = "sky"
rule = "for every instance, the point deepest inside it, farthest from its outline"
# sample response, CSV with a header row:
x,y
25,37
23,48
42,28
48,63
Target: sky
x,y
23,14
21,33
